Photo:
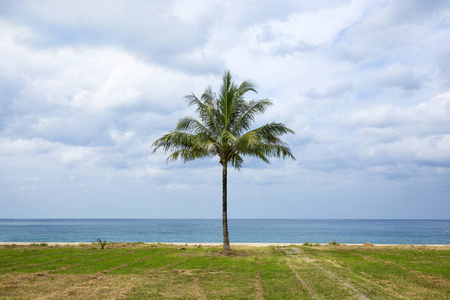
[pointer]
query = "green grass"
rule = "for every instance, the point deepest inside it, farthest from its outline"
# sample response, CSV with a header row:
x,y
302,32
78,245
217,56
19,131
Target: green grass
x,y
143,271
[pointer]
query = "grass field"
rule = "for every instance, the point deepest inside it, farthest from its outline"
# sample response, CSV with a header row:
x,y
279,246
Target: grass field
x,y
156,271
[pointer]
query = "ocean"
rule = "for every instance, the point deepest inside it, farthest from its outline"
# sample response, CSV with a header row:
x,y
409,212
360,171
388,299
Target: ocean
x,y
240,230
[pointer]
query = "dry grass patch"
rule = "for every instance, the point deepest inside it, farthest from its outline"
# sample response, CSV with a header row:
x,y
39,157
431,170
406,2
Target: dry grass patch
x,y
68,286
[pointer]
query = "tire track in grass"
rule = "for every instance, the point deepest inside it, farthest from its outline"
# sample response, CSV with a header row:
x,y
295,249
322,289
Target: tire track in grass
x,y
301,280
291,253
371,280
258,286
389,260
199,290
355,292
392,263
418,275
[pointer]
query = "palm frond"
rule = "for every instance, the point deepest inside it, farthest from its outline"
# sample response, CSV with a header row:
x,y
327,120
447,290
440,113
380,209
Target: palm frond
x,y
236,161
238,103
264,150
191,124
205,109
208,97
248,114
174,141
187,155
264,142
272,130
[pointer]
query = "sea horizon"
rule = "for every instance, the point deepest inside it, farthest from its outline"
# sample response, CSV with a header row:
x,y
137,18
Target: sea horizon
x,y
348,231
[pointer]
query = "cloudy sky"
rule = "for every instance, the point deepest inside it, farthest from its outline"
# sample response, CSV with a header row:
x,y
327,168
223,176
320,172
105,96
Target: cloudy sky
x,y
87,86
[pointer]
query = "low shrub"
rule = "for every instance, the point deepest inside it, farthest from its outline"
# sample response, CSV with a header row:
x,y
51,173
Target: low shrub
x,y
102,243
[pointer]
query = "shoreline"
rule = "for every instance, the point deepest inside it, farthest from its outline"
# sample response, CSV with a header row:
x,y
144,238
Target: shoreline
x,y
216,244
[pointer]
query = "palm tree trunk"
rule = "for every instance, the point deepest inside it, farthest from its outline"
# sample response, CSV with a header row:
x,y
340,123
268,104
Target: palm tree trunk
x,y
226,239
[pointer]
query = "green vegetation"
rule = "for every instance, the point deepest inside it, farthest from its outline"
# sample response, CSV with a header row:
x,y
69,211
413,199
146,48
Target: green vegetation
x,y
157,271
102,243
223,130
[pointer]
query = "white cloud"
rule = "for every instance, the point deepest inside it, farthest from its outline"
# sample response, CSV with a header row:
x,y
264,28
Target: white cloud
x,y
399,136
434,112
399,75
381,116
75,156
437,110
432,150
318,27
19,146
334,91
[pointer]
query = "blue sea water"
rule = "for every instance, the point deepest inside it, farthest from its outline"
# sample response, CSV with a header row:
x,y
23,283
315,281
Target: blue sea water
x,y
242,231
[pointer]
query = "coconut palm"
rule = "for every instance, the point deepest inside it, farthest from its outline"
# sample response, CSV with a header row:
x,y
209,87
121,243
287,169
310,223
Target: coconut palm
x,y
223,130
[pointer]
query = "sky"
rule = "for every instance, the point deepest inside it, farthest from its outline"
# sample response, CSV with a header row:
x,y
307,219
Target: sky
x,y
86,87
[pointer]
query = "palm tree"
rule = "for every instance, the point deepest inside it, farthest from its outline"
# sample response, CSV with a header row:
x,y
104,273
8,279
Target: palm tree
x,y
223,130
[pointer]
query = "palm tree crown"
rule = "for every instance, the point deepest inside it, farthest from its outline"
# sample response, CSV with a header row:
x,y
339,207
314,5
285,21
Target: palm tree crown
x,y
223,130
